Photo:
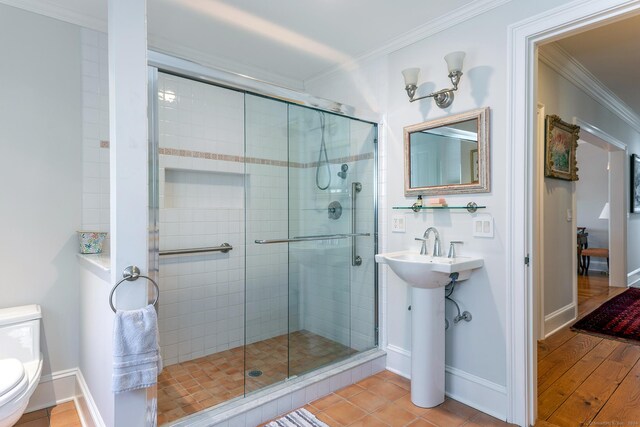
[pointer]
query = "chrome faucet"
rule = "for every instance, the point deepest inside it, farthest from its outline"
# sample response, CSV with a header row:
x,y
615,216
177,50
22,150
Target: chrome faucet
x,y
423,248
436,244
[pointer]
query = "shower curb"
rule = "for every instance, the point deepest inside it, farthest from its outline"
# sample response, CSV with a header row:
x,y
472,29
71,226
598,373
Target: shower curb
x,y
265,405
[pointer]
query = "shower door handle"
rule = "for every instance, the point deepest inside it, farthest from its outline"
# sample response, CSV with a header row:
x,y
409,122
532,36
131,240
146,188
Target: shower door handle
x,y
356,259
312,238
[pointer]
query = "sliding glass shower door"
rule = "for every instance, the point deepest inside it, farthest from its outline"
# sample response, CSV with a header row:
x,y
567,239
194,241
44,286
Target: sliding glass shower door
x,y
309,241
266,229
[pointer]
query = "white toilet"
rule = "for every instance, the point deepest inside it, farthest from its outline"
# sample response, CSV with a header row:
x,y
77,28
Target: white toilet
x,y
20,360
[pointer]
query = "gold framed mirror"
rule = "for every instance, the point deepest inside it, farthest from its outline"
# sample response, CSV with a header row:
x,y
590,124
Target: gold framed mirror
x,y
448,155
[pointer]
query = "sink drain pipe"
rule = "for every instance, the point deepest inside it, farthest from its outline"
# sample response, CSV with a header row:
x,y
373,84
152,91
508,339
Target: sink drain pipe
x,y
466,316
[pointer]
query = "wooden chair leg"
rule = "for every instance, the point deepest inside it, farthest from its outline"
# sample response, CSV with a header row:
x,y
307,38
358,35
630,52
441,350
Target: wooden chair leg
x,y
586,267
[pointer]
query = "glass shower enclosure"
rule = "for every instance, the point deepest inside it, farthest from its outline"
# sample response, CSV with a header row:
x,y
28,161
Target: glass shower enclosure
x,y
267,235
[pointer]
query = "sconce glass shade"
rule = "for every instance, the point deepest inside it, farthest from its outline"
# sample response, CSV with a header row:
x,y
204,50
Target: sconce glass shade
x,y
454,61
411,76
605,212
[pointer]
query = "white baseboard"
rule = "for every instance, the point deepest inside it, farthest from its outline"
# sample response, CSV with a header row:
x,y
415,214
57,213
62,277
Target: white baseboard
x,y
53,389
64,386
633,278
399,361
479,393
86,406
559,319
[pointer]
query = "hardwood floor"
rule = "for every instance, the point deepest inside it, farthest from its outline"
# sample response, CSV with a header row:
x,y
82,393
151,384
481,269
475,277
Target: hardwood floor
x,y
586,380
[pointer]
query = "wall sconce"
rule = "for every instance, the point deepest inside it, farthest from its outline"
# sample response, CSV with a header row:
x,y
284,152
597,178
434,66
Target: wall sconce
x,y
443,97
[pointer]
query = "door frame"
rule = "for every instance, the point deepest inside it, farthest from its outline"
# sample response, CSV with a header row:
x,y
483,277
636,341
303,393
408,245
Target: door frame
x,y
523,39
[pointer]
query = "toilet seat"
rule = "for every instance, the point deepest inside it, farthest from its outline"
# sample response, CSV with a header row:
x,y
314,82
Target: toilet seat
x,y
13,380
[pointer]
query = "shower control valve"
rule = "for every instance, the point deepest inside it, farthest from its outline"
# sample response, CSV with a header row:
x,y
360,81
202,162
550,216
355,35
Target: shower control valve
x,y
334,210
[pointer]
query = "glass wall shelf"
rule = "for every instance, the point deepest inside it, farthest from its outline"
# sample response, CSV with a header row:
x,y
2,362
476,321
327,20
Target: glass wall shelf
x,y
470,207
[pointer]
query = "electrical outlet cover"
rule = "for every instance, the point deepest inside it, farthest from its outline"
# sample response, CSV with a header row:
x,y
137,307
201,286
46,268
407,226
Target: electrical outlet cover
x,y
483,225
398,224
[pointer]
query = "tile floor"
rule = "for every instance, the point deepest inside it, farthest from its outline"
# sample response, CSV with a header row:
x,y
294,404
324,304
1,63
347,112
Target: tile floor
x,y
63,415
383,400
189,387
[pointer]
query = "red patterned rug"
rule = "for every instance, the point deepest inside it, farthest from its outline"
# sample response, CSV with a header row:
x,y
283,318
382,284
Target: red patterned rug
x,y
619,317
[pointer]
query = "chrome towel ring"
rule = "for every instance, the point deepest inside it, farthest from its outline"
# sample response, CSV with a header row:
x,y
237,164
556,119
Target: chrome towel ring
x,y
130,274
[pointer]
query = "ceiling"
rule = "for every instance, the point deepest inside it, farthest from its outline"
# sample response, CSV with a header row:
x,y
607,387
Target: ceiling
x,y
291,41
612,54
284,41
296,39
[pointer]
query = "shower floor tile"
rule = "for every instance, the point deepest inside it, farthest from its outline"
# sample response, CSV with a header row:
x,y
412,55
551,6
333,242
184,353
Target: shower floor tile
x,y
189,387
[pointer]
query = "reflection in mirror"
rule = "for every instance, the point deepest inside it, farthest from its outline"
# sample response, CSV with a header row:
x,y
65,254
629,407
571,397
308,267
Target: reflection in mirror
x,y
448,156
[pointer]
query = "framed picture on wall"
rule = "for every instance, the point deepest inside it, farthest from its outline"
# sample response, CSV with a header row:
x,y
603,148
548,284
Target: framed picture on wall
x,y
560,144
634,172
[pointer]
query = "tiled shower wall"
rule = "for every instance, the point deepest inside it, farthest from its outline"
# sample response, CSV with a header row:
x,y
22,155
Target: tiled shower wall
x,y
202,203
95,131
336,297
271,302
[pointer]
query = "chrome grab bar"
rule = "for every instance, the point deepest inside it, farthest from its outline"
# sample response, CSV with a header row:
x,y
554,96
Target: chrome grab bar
x,y
356,259
224,248
312,238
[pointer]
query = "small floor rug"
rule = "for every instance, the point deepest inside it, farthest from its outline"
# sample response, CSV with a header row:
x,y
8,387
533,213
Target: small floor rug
x,y
298,418
619,317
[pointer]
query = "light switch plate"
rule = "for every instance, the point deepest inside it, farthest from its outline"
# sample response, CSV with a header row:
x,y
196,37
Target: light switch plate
x,y
483,226
397,224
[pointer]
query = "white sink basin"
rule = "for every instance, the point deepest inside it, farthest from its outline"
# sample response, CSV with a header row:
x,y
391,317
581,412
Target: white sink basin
x,y
426,271
427,276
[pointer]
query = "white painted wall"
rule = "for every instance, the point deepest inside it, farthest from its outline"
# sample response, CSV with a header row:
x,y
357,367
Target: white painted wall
x,y
559,236
96,325
592,192
40,175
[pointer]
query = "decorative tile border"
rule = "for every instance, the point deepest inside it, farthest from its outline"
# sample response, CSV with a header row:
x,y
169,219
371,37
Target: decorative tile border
x,y
347,159
252,160
256,160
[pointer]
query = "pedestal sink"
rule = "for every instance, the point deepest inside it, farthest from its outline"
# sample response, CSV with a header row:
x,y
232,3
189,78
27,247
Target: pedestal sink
x,y
427,277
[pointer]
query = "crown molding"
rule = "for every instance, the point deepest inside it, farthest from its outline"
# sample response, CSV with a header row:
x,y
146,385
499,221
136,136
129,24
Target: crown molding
x,y
571,69
434,26
41,7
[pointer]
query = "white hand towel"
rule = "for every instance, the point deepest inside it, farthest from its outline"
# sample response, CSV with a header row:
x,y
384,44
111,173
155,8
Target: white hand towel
x,y
136,352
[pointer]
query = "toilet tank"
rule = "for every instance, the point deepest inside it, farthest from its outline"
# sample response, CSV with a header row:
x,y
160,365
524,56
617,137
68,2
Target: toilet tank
x,y
20,333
